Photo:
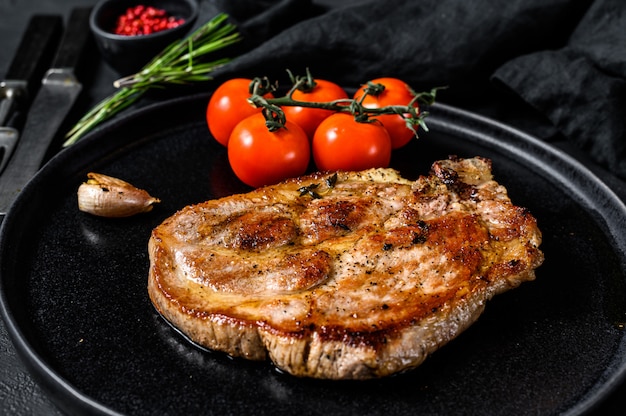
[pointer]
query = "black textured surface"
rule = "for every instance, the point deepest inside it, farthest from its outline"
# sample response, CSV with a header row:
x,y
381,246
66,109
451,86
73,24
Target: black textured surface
x,y
76,287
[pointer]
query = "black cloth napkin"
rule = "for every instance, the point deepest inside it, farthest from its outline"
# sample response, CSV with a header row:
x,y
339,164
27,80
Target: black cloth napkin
x,y
565,59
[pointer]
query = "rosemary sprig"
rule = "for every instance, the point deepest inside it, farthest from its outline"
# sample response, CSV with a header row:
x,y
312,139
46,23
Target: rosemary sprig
x,y
179,63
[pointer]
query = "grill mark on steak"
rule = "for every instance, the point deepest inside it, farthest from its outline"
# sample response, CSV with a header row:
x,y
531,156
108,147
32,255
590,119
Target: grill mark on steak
x,y
363,280
259,231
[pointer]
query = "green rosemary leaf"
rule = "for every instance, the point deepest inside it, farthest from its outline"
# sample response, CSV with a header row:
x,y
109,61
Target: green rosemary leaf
x,y
179,63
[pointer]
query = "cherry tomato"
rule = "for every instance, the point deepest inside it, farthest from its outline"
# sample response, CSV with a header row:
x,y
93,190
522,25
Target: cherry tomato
x,y
310,118
342,143
260,157
396,92
228,106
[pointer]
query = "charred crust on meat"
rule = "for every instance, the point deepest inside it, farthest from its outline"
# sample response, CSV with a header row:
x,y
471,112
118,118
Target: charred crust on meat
x,y
342,215
257,232
452,181
313,269
446,175
419,238
404,237
373,338
421,235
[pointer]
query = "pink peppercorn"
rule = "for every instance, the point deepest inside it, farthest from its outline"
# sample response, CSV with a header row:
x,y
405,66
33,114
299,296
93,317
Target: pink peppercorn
x,y
144,20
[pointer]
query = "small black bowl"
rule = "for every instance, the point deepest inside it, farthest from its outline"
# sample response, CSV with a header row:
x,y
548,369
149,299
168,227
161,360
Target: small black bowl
x,y
128,54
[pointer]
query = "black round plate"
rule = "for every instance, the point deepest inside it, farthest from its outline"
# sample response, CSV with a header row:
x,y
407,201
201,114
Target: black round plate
x,y
75,302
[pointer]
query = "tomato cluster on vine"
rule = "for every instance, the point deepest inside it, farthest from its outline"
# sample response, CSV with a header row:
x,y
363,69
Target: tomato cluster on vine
x,y
316,120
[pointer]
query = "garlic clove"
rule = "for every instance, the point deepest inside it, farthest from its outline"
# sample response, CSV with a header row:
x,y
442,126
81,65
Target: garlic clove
x,y
106,196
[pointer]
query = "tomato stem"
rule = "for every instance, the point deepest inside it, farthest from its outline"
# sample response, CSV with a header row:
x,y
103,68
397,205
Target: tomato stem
x,y
275,117
304,84
373,89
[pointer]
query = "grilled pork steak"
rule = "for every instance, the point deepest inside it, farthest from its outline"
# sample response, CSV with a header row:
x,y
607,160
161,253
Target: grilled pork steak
x,y
351,275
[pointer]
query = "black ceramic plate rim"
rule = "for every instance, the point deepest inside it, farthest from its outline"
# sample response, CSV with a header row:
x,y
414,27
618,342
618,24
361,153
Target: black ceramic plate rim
x,y
552,163
569,174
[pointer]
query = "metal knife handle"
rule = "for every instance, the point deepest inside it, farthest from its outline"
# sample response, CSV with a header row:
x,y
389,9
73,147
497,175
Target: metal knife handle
x,y
11,94
33,55
76,35
48,110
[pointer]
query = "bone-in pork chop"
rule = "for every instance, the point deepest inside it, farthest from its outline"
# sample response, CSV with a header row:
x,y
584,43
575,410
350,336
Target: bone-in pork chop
x,y
347,275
